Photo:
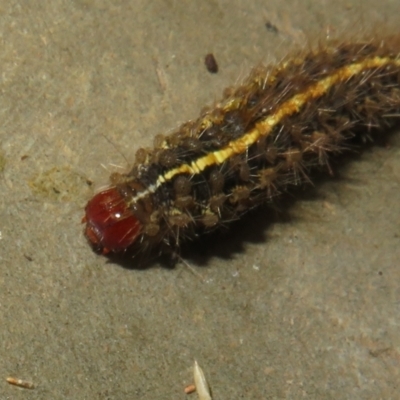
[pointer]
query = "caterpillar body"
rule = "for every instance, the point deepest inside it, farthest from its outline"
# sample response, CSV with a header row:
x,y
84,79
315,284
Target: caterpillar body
x,y
262,138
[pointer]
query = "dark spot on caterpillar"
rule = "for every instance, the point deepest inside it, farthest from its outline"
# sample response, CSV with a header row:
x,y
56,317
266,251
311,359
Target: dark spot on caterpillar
x,y
214,137
234,123
182,186
168,158
211,63
216,181
192,144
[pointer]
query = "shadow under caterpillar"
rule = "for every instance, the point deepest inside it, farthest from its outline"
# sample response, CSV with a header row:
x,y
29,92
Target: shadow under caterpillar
x,y
264,137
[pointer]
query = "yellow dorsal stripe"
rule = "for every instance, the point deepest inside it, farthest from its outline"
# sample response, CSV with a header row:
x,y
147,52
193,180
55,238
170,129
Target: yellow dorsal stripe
x,y
265,126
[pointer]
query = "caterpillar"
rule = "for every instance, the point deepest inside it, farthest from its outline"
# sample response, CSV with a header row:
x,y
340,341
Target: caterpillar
x,y
263,138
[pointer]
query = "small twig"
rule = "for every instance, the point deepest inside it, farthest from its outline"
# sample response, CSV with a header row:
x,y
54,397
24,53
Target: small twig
x,y
20,383
190,389
202,388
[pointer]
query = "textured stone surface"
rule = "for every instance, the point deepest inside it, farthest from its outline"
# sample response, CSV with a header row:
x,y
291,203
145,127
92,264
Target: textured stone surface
x,y
304,307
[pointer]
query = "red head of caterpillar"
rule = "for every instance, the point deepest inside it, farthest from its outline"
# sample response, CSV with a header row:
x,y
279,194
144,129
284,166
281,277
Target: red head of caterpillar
x,y
262,138
110,224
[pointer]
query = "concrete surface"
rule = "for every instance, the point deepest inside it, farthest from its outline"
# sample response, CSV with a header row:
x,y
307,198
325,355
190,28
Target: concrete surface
x,y
307,306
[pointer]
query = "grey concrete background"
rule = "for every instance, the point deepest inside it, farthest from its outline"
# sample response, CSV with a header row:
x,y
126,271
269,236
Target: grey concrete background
x,y
305,307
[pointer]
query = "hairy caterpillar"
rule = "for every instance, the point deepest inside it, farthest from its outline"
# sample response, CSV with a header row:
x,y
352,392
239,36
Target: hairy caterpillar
x,y
262,138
